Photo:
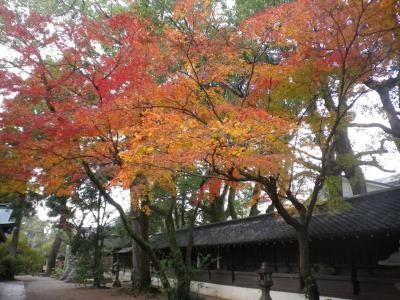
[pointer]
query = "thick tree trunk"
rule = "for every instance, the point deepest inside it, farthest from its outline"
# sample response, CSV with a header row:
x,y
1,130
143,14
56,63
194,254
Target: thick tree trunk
x,y
183,277
348,162
98,266
140,275
189,246
231,205
256,193
98,245
346,159
218,207
145,277
140,261
307,281
182,211
391,113
136,251
51,260
176,217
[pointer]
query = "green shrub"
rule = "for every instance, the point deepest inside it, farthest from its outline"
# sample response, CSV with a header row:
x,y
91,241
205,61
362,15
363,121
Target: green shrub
x,y
27,260
57,272
7,263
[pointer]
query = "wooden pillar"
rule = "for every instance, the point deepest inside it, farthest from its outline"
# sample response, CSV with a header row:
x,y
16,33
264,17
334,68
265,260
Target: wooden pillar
x,y
218,259
275,258
232,264
370,255
198,262
353,267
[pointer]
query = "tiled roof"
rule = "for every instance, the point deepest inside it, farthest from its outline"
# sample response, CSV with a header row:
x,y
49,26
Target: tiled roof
x,y
6,223
5,214
371,213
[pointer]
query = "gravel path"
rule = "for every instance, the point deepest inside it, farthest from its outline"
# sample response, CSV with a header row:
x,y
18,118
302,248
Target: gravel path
x,y
44,288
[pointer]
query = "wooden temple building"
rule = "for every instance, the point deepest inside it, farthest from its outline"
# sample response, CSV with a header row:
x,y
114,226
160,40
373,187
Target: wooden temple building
x,y
349,249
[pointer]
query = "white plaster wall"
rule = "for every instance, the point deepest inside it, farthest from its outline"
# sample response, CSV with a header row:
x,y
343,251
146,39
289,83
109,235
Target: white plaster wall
x,y
238,293
125,275
346,188
371,187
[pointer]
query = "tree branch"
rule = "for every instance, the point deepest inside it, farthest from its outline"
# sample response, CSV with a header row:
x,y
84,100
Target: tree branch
x,y
377,125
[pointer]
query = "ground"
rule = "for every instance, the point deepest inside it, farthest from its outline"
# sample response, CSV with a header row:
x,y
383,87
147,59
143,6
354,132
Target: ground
x,y
44,288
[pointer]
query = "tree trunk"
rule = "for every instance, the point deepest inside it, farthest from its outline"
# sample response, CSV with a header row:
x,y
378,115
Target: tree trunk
x,y
140,275
145,277
189,246
256,193
176,217
348,162
346,159
391,113
51,260
231,205
97,267
307,281
182,211
183,277
217,207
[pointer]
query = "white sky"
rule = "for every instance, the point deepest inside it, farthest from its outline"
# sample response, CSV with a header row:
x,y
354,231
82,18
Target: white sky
x,y
368,138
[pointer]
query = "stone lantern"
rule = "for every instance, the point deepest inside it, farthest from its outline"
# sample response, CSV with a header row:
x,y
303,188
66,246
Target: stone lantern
x,y
115,269
265,274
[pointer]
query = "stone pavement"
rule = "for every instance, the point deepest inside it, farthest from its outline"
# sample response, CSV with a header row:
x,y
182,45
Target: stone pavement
x,y
12,290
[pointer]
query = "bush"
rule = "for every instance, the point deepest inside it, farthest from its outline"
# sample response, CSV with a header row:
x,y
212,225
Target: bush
x,y
7,263
27,260
57,273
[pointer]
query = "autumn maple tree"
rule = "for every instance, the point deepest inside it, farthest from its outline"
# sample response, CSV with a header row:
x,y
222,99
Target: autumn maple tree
x,y
69,107
81,105
125,101
267,104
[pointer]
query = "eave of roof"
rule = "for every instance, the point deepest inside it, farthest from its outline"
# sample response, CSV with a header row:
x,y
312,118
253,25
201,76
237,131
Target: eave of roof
x,y
382,184
370,213
124,250
7,226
